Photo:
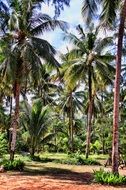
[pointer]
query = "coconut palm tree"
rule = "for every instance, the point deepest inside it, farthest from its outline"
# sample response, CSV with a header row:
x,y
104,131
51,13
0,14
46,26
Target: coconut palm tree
x,y
71,99
110,10
27,51
92,65
71,102
46,88
35,119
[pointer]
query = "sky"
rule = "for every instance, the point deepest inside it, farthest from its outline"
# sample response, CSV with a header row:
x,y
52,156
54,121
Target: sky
x,y
70,14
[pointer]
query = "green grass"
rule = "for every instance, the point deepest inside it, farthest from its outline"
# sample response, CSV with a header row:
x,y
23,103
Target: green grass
x,y
56,156
99,156
61,158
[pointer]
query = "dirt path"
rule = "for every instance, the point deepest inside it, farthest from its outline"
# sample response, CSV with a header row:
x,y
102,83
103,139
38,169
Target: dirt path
x,y
57,180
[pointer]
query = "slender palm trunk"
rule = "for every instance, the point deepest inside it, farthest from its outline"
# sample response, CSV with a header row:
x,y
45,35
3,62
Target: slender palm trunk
x,y
88,140
15,121
32,151
103,143
89,118
71,122
115,142
10,117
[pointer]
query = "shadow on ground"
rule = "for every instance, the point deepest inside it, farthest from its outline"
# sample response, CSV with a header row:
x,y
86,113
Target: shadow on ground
x,y
65,175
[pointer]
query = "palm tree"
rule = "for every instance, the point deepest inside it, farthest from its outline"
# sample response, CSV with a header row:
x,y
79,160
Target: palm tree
x,y
46,88
108,17
27,50
70,98
92,65
35,119
70,102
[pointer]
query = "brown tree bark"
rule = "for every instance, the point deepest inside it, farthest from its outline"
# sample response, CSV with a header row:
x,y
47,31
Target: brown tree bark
x,y
90,112
71,121
115,142
15,121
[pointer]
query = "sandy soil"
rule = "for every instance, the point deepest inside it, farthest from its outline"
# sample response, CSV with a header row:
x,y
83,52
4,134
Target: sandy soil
x,y
56,180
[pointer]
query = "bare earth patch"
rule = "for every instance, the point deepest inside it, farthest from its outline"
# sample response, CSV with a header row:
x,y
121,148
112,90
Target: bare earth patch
x,y
54,179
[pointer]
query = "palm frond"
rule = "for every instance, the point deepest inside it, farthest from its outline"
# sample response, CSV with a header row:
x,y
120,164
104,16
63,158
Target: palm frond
x,y
45,51
47,138
103,43
48,25
74,74
90,9
109,12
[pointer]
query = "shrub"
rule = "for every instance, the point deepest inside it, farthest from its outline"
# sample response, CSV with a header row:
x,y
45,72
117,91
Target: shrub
x,y
109,178
77,159
83,161
13,165
43,160
3,144
35,158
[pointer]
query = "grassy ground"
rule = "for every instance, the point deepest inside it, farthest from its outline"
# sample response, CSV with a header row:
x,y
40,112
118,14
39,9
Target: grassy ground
x,y
56,156
47,164
53,176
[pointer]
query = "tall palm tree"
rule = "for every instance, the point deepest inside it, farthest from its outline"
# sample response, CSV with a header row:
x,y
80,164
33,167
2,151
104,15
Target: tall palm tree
x,y
108,16
27,50
71,98
70,102
92,64
46,88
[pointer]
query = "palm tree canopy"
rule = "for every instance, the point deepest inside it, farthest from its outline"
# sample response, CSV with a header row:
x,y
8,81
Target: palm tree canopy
x,y
105,10
89,51
26,50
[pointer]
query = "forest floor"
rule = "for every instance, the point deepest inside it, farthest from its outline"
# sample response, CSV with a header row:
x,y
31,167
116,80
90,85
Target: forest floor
x,y
53,176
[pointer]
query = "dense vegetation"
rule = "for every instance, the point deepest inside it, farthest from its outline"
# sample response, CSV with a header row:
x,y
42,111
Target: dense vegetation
x,y
65,104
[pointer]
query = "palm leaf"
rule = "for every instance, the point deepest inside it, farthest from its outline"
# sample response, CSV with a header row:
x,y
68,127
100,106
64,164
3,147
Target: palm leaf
x,y
108,14
45,50
90,9
48,26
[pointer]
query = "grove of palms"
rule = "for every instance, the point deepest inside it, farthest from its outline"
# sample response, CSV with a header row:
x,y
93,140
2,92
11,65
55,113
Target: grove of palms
x,y
51,101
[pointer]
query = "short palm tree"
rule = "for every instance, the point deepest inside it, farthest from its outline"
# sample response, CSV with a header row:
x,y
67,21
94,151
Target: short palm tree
x,y
27,50
35,119
92,65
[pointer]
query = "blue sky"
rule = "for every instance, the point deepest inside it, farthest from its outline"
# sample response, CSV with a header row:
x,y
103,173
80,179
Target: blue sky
x,y
70,14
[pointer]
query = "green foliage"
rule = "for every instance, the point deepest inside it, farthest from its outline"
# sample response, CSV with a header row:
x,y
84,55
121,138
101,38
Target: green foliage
x,y
77,159
3,144
17,165
40,159
35,120
104,177
35,158
96,146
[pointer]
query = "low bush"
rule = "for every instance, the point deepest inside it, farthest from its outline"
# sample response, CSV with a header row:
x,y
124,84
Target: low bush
x,y
13,165
35,158
109,178
39,159
76,159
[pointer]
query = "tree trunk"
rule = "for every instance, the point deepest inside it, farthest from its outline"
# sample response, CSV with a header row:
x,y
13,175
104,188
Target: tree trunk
x,y
89,128
71,122
10,117
15,121
103,144
90,111
115,142
32,151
